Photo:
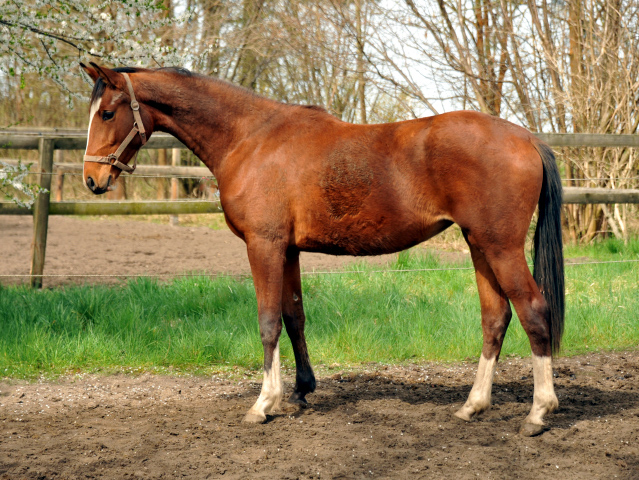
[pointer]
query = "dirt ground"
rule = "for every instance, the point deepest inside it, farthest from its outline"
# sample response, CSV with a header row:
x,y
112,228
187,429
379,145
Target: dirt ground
x,y
77,247
372,422
375,422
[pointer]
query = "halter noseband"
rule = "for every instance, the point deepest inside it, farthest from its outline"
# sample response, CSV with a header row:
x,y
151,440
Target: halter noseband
x,y
138,128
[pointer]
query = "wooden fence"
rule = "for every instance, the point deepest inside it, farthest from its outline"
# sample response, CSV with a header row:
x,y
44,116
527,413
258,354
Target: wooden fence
x,y
47,141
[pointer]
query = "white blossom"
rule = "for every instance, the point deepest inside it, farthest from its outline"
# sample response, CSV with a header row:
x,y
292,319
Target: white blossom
x,y
51,38
20,193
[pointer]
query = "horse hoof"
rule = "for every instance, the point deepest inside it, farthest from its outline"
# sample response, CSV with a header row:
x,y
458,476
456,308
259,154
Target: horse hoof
x,y
463,415
298,399
532,429
461,418
254,418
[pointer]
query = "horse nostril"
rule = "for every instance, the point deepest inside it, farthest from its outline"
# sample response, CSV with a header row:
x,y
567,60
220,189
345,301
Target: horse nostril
x,y
90,183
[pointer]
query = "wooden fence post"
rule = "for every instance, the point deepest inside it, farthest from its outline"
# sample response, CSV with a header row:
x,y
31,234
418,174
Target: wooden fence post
x,y
41,212
161,185
59,185
175,161
59,178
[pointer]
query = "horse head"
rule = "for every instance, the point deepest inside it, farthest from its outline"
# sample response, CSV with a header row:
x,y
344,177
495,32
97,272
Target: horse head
x,y
118,127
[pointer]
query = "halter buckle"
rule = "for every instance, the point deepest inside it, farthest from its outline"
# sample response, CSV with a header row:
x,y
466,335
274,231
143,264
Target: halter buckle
x,y
135,105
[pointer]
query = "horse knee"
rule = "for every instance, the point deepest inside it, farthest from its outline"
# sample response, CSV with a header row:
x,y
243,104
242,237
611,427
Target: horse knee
x,y
270,330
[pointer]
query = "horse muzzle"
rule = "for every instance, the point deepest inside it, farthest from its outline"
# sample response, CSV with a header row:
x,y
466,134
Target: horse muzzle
x,y
98,189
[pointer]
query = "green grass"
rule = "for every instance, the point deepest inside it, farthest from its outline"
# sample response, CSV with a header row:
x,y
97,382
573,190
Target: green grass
x,y
204,325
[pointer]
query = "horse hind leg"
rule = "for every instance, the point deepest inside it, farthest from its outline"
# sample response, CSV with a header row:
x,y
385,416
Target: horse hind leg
x,y
515,278
495,318
294,320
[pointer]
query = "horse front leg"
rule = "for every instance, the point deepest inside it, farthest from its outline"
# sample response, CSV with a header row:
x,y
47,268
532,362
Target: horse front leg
x,y
294,320
267,265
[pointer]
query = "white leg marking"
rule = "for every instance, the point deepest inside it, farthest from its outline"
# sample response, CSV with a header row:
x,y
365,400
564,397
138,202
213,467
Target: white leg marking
x,y
271,394
95,106
544,398
479,397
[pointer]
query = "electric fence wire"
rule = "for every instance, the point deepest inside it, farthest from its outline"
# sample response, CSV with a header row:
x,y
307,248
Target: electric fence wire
x,y
319,272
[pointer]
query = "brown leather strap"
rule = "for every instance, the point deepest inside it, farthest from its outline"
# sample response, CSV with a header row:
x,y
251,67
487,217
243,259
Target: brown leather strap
x,y
111,160
138,128
135,106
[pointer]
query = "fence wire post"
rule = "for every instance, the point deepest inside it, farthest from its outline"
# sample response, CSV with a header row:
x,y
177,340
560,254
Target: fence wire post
x,y
41,212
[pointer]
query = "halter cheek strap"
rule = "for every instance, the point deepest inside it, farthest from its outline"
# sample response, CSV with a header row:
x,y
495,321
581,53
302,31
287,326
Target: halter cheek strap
x,y
113,159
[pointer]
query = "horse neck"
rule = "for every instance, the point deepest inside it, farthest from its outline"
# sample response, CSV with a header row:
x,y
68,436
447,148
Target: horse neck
x,y
208,116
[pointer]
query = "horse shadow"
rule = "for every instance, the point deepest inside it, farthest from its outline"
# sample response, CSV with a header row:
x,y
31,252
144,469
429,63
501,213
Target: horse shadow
x,y
424,409
577,401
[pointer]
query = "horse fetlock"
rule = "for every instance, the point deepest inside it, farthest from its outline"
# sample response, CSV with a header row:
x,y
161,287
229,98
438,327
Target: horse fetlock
x,y
269,401
276,402
551,403
305,384
257,413
544,402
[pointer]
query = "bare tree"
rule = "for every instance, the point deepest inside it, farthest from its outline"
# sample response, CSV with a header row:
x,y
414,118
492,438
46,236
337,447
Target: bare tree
x,y
550,66
297,51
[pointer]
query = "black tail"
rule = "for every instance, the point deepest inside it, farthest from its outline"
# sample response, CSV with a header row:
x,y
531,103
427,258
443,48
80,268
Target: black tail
x,y
548,271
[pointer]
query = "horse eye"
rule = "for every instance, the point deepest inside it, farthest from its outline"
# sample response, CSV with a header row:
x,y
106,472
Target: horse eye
x,y
107,115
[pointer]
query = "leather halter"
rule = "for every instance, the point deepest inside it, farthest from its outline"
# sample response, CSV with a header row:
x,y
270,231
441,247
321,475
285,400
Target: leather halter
x,y
113,159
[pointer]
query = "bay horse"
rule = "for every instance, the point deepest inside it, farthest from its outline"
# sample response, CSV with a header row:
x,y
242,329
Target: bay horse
x,y
295,178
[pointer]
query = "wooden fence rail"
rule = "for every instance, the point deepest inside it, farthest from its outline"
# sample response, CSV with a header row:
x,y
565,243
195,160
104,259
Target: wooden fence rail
x,y
46,141
144,170
23,141
152,207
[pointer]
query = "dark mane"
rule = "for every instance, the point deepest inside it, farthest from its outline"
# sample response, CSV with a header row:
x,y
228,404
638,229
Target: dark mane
x,y
179,70
100,86
317,108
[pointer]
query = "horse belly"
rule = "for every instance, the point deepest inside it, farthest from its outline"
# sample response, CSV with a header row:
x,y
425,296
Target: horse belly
x,y
366,235
365,197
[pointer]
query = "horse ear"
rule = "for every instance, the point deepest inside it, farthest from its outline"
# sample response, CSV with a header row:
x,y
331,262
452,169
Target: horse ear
x,y
110,77
91,72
